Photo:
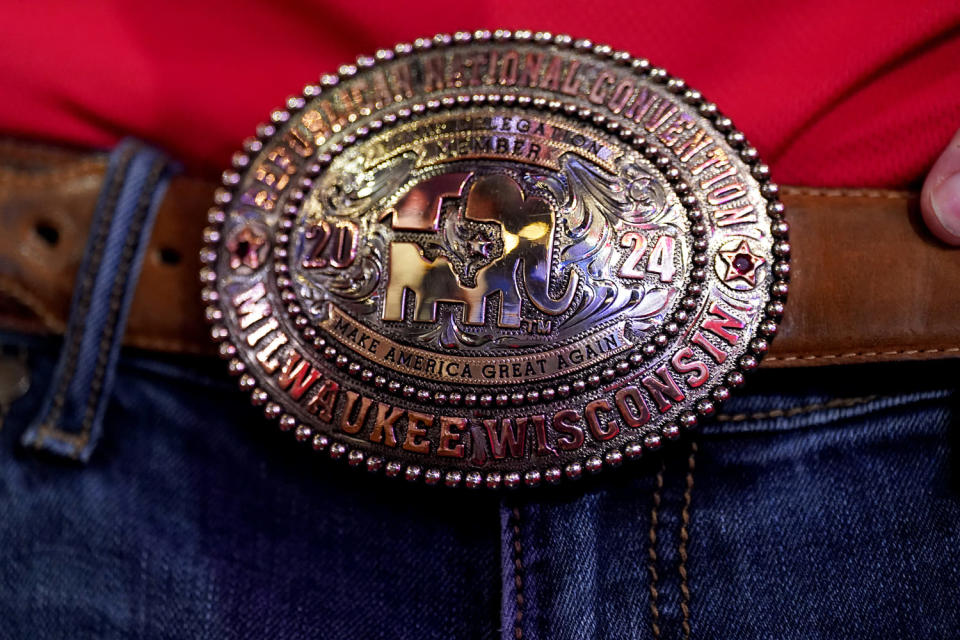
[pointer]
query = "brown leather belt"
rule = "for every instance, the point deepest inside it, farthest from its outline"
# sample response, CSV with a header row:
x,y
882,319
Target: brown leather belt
x,y
869,282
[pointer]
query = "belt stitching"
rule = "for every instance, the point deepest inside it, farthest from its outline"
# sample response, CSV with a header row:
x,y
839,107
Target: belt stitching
x,y
864,354
849,192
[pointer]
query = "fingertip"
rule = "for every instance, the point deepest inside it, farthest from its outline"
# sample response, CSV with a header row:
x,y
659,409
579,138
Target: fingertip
x,y
940,205
940,198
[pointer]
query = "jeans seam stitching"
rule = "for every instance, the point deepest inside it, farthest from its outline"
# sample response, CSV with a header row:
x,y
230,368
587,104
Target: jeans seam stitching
x,y
518,575
684,538
837,403
652,552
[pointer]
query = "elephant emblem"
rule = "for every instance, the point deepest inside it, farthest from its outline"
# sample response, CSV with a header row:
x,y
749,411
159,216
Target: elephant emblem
x,y
527,229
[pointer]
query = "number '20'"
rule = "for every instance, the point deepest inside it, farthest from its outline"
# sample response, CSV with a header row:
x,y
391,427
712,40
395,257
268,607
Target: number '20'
x,y
333,245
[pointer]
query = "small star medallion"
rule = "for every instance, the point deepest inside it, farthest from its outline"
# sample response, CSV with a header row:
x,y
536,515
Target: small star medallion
x,y
742,262
245,248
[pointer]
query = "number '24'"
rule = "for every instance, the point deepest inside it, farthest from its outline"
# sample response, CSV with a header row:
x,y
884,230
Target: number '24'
x,y
660,260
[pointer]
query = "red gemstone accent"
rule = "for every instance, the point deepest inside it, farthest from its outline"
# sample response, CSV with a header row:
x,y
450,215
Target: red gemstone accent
x,y
742,263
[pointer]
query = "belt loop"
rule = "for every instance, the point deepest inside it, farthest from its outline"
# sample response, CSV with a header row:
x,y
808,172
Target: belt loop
x,y
70,421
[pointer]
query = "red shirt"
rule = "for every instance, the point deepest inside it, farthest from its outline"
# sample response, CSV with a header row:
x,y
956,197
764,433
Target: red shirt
x,y
844,94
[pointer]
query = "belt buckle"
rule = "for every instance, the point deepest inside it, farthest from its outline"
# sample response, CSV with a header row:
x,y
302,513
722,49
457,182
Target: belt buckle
x,y
494,259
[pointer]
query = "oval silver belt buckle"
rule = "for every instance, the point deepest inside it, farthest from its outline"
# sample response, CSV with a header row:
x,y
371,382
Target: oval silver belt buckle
x,y
494,259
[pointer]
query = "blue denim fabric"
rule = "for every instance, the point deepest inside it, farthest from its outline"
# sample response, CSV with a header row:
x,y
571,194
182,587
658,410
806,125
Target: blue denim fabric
x,y
195,519
823,504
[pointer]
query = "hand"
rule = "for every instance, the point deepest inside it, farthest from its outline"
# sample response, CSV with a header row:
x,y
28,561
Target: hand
x,y
940,199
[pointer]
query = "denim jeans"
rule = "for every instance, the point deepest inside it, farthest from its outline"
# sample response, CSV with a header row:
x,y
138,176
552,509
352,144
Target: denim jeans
x,y
822,503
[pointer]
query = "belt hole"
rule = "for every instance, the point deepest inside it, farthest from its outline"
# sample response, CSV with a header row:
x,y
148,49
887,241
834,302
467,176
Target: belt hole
x,y
47,232
169,256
